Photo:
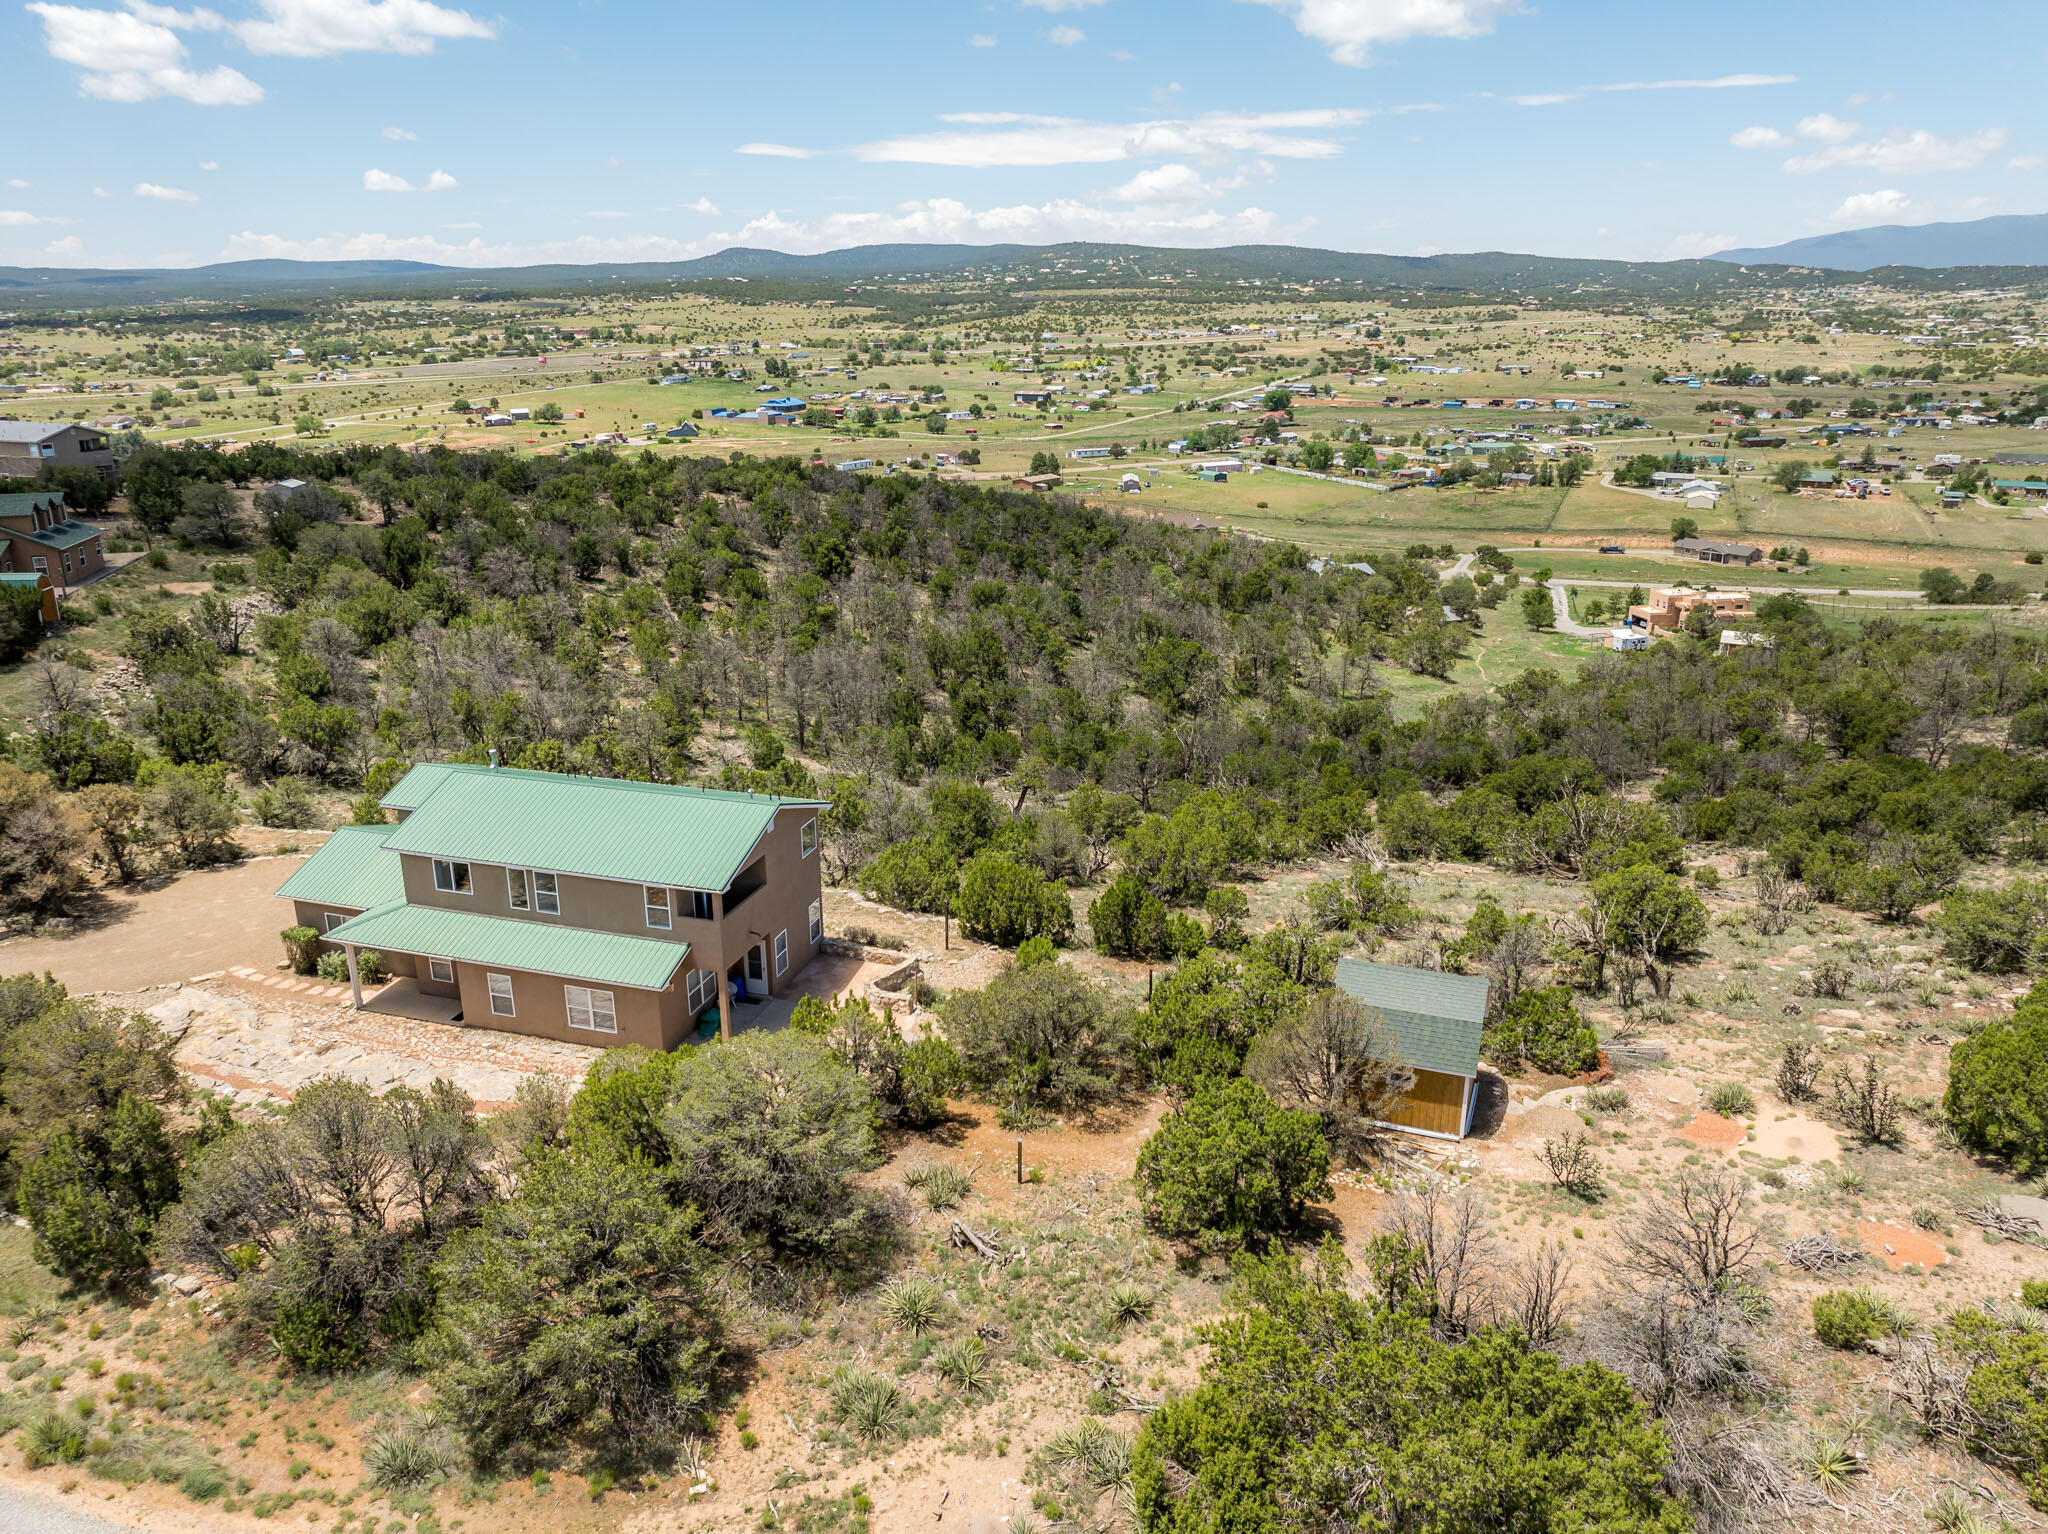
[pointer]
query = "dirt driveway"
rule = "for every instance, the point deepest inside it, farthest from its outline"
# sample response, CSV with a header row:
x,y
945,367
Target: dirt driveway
x,y
194,924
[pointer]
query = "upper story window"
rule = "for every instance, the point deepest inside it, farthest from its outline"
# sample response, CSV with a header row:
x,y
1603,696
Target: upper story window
x,y
527,890
451,877
807,838
658,914
701,905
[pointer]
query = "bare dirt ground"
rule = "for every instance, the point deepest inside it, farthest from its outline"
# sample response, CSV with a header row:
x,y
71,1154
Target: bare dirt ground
x,y
172,928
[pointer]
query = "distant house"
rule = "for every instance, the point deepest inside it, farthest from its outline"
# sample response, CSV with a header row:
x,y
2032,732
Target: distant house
x,y
1433,1021
520,413
1951,499
854,465
29,446
1714,552
2030,489
1035,482
1090,452
1628,639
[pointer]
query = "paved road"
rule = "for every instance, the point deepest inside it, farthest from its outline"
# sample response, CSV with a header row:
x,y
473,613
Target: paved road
x,y
24,1514
1560,597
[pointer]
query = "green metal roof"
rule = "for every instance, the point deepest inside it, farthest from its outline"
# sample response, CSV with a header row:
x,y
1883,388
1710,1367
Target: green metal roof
x,y
351,869
570,953
19,503
605,828
410,791
1435,1018
23,577
65,535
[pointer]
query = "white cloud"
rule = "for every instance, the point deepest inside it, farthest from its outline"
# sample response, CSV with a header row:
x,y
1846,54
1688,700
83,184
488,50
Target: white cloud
x,y
1066,37
384,181
1351,29
1716,83
1900,153
777,151
982,40
1890,206
701,205
209,165
17,183
100,191
1544,98
1023,140
2017,162
17,218
1170,183
1824,129
1758,138
311,29
70,245
400,135
1695,247
164,193
134,55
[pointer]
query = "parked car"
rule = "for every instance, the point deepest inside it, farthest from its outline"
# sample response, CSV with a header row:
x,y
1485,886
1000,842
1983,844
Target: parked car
x,y
1612,548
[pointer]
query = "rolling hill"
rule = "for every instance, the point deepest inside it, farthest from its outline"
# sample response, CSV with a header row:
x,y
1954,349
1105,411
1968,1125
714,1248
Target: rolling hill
x,y
2012,239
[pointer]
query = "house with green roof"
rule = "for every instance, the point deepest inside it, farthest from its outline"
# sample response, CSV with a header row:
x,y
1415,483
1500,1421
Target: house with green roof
x,y
594,910
38,535
1434,1021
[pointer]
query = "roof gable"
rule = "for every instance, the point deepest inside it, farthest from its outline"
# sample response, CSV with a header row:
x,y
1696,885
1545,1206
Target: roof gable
x,y
351,869
604,828
1435,1018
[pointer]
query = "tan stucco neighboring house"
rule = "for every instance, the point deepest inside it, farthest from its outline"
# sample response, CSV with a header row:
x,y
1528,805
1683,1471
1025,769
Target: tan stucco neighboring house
x,y
38,533
593,910
29,446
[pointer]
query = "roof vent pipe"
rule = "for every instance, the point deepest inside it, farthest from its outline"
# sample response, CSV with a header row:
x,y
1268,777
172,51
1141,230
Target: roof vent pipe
x,y
494,758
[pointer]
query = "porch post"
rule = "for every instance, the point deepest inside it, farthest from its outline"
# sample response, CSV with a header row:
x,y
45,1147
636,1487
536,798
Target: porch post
x,y
355,978
724,1005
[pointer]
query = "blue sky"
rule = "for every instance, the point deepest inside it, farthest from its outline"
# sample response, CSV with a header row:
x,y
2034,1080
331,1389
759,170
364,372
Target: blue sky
x,y
598,130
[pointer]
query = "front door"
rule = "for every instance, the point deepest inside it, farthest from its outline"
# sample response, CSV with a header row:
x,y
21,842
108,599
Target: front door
x,y
757,970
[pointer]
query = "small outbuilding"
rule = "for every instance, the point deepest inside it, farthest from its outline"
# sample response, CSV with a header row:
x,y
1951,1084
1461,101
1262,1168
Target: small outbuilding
x,y
1434,1021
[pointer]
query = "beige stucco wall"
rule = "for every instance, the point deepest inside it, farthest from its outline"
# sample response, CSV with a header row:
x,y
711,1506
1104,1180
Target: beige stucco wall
x,y
650,1019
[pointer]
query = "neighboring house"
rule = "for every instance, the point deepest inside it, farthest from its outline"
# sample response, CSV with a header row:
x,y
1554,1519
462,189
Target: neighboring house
x,y
26,446
38,533
1433,1021
31,580
1035,482
1714,552
594,910
1669,607
1628,639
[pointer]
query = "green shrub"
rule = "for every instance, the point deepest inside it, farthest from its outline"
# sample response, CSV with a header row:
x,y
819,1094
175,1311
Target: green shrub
x,y
1543,1027
55,1438
2034,1293
1129,921
1844,1318
301,946
1232,1167
332,965
1732,1100
1997,1098
1003,901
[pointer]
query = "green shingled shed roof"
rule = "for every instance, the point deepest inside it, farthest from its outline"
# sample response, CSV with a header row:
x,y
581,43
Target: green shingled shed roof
x,y
1435,1018
572,953
65,535
352,869
605,828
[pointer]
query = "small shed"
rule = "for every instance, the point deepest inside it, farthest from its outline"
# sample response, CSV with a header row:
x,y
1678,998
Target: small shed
x,y
1628,639
1434,1021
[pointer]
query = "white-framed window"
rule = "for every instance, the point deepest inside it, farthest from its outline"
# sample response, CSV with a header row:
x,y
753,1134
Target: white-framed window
x,y
450,877
530,891
40,563
658,913
591,1010
781,951
329,920
807,838
817,920
442,970
547,895
517,890
700,989
501,995
700,905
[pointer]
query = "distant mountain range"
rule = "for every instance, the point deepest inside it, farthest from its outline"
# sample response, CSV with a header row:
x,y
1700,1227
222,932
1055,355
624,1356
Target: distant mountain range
x,y
2011,239
1986,251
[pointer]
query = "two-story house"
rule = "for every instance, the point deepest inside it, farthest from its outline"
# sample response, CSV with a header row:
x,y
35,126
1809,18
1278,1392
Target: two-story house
x,y
594,910
38,533
26,446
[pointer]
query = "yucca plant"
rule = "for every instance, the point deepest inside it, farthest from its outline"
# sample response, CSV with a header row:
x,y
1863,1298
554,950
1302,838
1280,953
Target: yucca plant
x,y
405,1458
918,1305
1952,1514
1101,1455
1129,1301
966,1364
55,1438
919,1173
869,1404
945,1186
1830,1462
